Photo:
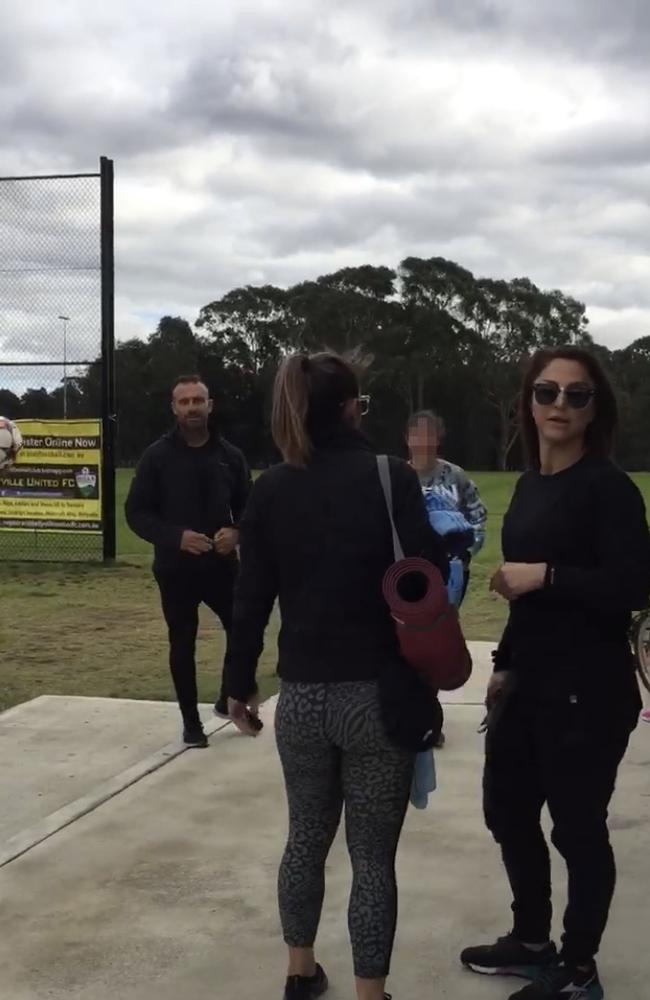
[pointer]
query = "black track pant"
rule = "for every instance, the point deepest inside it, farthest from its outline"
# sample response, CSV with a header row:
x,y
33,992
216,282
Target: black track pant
x,y
564,754
182,591
334,751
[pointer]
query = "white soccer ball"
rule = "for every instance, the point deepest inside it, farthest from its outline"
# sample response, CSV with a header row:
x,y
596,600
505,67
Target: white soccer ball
x,y
11,441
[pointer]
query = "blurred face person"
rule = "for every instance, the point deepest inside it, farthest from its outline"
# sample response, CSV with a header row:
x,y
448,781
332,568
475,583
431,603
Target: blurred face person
x,y
424,444
563,404
192,406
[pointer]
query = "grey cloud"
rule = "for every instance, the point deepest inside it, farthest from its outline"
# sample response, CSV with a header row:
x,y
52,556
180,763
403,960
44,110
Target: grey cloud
x,y
84,127
367,174
469,16
424,214
587,29
618,295
304,118
591,28
606,144
220,96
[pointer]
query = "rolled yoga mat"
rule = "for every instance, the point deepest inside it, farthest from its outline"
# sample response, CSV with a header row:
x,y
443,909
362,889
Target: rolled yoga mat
x,y
427,625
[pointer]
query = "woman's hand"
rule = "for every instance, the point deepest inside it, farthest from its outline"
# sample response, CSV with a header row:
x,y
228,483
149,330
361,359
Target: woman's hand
x,y
497,688
497,683
513,580
240,713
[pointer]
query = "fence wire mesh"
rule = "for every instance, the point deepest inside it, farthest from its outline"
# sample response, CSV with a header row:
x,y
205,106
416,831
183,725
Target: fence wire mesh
x,y
50,324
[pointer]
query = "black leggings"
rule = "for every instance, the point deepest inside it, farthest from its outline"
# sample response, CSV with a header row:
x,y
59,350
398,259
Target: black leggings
x,y
565,754
182,591
334,751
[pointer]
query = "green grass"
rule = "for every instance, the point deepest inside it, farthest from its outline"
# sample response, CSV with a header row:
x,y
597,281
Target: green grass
x,y
94,630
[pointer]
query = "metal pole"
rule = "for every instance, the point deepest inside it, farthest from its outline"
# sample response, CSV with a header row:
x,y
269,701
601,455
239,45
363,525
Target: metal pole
x,y
108,358
65,320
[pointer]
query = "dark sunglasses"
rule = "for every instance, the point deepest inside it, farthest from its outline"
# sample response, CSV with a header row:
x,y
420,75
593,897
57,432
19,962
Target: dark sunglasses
x,y
576,396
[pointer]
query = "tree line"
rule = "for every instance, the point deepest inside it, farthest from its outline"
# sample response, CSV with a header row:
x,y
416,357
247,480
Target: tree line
x,y
428,334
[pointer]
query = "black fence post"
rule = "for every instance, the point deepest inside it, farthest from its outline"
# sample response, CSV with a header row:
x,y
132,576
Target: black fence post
x,y
109,416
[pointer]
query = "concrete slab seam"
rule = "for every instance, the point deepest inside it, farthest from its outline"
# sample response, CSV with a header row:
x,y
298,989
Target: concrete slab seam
x,y
23,842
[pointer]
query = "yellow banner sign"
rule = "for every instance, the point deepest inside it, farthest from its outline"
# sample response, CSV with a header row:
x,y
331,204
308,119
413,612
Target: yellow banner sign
x,y
55,483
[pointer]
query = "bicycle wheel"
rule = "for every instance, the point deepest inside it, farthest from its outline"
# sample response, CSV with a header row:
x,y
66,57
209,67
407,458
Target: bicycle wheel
x,y
641,643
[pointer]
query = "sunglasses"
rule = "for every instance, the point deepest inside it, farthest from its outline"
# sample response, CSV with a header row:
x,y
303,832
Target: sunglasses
x,y
576,396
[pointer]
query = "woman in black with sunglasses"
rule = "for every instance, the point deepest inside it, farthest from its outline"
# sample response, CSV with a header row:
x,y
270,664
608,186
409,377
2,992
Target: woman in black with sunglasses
x,y
563,699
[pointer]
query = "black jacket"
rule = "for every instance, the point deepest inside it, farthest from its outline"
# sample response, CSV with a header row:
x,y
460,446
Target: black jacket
x,y
320,540
588,524
176,488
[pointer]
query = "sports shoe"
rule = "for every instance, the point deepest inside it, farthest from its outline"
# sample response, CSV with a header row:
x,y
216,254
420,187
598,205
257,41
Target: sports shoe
x,y
645,715
306,987
561,982
221,708
193,736
509,957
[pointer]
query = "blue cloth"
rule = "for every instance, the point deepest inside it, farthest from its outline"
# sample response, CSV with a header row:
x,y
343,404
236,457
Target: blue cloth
x,y
457,492
456,582
458,535
450,524
424,779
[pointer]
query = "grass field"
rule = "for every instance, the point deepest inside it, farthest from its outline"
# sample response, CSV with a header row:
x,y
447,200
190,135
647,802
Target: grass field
x,y
93,630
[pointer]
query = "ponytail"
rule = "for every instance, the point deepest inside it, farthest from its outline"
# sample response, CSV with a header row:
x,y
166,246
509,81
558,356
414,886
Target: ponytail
x,y
308,401
290,409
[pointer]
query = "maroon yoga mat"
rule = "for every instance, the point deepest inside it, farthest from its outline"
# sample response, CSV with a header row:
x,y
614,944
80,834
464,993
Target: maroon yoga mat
x,y
427,625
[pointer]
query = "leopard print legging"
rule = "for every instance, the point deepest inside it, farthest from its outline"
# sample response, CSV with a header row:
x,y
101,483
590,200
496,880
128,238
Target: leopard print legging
x,y
333,751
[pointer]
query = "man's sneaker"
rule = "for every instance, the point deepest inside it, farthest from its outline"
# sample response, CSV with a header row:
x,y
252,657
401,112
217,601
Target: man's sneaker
x,y
306,987
509,957
193,736
221,708
561,982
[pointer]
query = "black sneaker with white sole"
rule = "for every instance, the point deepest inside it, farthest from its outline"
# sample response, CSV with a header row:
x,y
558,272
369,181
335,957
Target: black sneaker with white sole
x,y
509,957
306,987
193,736
561,982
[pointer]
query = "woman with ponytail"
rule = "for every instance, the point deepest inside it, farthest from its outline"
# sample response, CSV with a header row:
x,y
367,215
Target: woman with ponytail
x,y
316,535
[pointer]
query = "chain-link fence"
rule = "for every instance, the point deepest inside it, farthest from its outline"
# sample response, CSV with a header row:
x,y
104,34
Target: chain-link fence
x,y
56,365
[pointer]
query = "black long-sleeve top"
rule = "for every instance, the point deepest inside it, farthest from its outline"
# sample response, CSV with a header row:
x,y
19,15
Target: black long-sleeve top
x,y
320,540
177,487
588,524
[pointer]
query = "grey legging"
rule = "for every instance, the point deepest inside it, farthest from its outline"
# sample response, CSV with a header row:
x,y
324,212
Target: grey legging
x,y
333,751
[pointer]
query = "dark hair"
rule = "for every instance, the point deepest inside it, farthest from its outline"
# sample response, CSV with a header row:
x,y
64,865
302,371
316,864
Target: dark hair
x,y
187,380
308,398
599,436
433,418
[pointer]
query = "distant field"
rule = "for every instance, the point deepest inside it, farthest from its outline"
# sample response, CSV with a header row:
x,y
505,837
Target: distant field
x,y
87,629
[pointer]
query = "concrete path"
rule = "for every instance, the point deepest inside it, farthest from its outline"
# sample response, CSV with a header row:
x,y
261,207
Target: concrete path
x,y
62,757
167,889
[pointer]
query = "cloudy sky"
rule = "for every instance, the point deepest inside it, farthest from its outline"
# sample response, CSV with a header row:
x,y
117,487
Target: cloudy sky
x,y
276,140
